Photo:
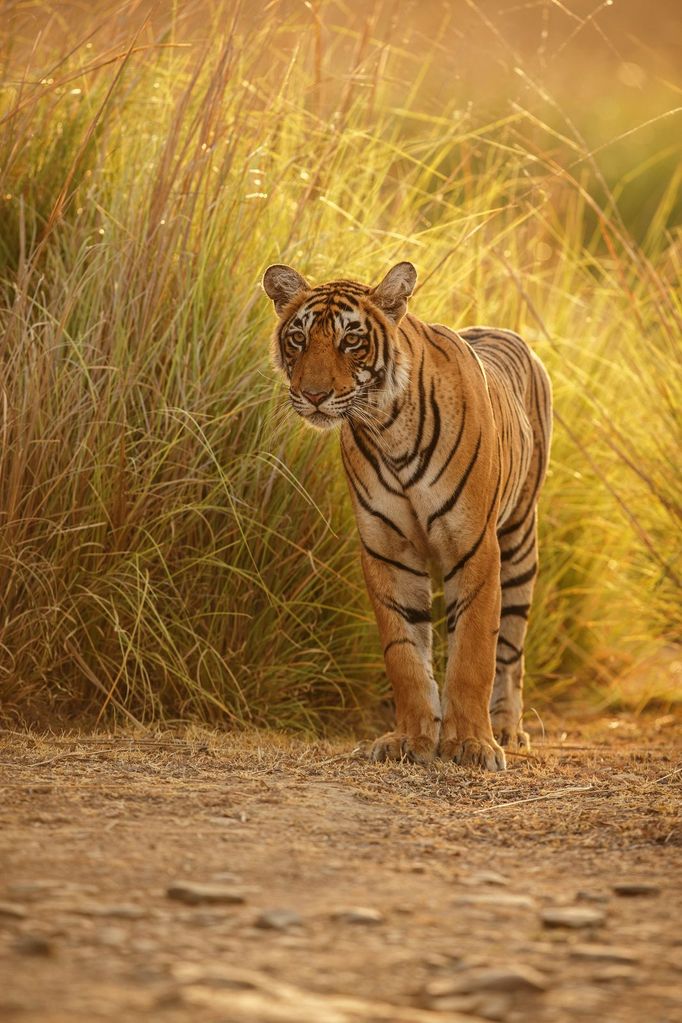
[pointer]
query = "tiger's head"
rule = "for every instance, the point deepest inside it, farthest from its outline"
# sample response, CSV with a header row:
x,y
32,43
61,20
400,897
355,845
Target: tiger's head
x,y
338,344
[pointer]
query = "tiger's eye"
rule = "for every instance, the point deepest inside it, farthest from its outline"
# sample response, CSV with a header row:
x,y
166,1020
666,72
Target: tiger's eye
x,y
350,342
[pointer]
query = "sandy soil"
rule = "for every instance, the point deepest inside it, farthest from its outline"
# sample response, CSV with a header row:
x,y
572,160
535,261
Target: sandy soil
x,y
338,890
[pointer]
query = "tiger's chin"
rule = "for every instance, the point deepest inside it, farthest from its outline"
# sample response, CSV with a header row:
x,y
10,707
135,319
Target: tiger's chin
x,y
320,420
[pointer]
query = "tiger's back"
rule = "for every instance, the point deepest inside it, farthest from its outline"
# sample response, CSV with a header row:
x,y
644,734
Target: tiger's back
x,y
521,395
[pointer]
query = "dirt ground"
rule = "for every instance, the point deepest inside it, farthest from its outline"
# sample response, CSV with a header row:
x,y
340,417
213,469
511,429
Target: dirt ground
x,y
334,890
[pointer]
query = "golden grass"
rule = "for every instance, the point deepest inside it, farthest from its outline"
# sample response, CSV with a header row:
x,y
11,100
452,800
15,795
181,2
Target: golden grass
x,y
173,544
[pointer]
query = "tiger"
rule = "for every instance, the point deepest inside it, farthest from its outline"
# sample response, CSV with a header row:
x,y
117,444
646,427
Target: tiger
x,y
445,437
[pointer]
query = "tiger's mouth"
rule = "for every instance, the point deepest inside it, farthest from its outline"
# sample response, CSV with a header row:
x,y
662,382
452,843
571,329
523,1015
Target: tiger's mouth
x,y
320,420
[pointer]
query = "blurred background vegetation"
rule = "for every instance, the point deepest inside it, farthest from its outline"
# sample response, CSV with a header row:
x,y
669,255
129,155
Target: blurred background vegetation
x,y
173,544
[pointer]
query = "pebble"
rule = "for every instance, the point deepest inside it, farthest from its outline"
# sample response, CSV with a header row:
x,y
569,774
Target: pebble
x,y
33,945
574,917
604,953
636,888
38,889
483,877
358,915
495,1007
30,889
143,946
112,937
123,911
194,893
499,900
615,972
278,919
12,909
438,960
589,895
491,978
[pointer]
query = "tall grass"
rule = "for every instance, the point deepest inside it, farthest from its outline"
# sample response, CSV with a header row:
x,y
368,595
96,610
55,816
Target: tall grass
x,y
173,543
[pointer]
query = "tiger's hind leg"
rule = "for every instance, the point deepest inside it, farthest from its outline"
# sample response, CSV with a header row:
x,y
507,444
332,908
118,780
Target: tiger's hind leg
x,y
519,564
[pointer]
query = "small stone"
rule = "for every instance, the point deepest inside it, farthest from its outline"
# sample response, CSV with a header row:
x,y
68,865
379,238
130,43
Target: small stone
x,y
615,972
112,937
33,945
456,1003
439,960
574,917
588,895
41,888
31,889
123,911
170,998
194,893
495,1007
636,888
278,919
358,915
438,989
484,877
13,910
143,946
604,953
500,900
497,978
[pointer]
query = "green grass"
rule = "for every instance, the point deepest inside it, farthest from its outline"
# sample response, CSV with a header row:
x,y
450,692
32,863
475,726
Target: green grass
x,y
173,543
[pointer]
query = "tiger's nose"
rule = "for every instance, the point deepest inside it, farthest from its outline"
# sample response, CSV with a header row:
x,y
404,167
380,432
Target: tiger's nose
x,y
315,397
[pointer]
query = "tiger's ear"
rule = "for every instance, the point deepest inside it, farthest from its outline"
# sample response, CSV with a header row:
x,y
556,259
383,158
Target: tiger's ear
x,y
282,284
392,294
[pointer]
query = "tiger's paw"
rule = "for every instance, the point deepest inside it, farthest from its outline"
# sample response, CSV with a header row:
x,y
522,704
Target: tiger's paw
x,y
510,733
417,749
474,753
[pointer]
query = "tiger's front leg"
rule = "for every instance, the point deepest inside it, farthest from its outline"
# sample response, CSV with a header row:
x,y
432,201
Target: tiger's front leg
x,y
400,590
472,594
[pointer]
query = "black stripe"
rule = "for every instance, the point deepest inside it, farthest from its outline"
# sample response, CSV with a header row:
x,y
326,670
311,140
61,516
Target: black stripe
x,y
505,642
380,329
413,615
396,564
443,333
453,449
516,655
350,472
398,642
515,611
519,580
472,550
428,334
421,397
506,661
511,551
452,500
427,453
373,461
395,412
529,549
372,511
462,605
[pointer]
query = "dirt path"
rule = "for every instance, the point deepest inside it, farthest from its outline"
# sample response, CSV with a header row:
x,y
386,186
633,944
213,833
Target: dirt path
x,y
406,895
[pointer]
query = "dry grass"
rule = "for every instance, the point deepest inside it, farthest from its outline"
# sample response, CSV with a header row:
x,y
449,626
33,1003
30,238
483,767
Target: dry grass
x,y
173,545
600,782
